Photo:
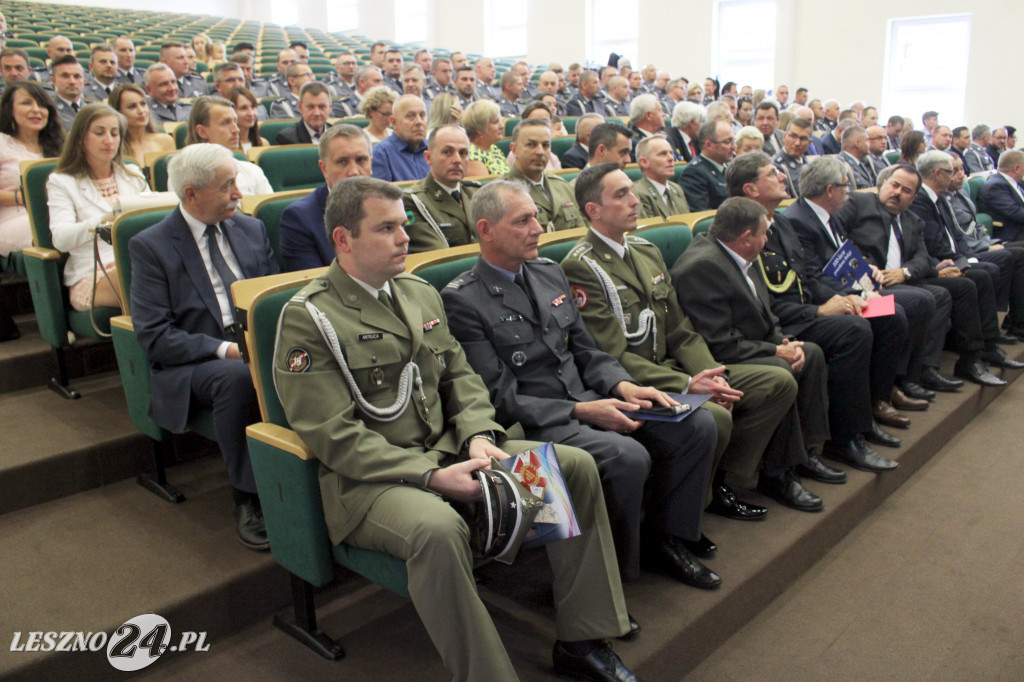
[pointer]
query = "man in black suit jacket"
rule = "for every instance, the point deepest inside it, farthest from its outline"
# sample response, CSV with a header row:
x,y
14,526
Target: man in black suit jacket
x,y
1002,196
861,365
820,236
686,122
314,107
703,180
735,319
891,238
576,155
182,270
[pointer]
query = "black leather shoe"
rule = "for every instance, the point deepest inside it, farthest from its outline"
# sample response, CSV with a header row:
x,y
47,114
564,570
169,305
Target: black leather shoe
x,y
902,401
858,454
974,370
1006,339
600,664
703,548
1016,332
879,437
8,328
930,378
917,391
670,556
252,531
997,358
787,489
725,503
634,630
819,471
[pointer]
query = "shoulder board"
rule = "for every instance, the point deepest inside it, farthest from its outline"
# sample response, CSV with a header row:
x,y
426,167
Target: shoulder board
x,y
471,183
635,240
314,287
543,261
581,249
557,179
280,99
418,188
464,278
412,278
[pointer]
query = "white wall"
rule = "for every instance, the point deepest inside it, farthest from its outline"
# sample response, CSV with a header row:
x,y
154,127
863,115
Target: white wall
x,y
224,8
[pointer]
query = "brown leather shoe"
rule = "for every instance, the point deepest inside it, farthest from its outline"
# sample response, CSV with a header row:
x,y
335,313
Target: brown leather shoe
x,y
886,414
902,401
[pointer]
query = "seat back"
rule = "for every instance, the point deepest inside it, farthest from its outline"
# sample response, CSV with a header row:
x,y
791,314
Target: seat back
x,y
893,155
671,238
269,209
562,144
557,245
270,129
974,185
290,166
34,175
125,227
443,265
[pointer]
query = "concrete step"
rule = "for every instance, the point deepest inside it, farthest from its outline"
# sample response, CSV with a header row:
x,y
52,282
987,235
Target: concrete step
x,y
29,361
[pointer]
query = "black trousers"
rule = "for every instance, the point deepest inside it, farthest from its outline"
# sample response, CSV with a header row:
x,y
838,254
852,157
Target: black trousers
x,y
927,312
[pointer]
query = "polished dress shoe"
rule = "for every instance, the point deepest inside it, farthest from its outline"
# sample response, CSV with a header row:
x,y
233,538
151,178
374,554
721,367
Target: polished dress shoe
x,y
703,548
880,437
1006,339
930,378
915,391
858,454
725,503
601,663
819,471
901,401
670,556
634,629
975,370
997,358
885,413
1016,332
252,530
787,489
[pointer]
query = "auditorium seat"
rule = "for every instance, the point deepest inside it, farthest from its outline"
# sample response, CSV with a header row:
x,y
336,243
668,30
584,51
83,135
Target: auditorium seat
x,y
289,166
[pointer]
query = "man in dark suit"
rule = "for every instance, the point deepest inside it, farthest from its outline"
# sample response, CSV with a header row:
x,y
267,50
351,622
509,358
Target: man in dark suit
x,y
344,153
514,315
182,271
588,100
861,363
703,179
686,122
820,237
892,240
991,271
766,119
315,108
576,155
1002,196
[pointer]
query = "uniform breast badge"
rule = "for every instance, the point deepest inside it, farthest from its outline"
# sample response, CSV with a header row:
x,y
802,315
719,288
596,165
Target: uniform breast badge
x,y
298,360
519,358
377,376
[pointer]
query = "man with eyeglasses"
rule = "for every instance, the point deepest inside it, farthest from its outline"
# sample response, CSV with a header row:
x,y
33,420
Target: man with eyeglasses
x,y
792,158
298,74
703,179
342,81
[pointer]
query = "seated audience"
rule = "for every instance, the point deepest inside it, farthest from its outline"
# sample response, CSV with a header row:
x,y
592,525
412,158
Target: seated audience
x,y
89,179
247,108
912,145
68,78
1001,196
537,109
314,109
686,121
444,110
141,138
377,106
214,120
791,159
344,153
977,158
162,89
659,196
556,205
287,106
400,156
703,179
576,156
482,121
749,139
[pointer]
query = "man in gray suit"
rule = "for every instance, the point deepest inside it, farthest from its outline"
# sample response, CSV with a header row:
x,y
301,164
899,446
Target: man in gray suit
x,y
766,119
517,319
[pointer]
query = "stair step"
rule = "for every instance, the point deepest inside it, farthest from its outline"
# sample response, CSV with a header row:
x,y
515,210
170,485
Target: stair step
x,y
29,361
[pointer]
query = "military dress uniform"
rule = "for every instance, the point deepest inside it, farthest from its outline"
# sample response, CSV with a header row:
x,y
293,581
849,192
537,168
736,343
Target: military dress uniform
x,y
373,464
977,159
96,91
556,203
791,167
68,110
464,102
192,85
277,86
135,75
260,88
654,204
703,181
487,91
613,108
532,350
162,113
510,108
436,219
664,350
579,105
285,107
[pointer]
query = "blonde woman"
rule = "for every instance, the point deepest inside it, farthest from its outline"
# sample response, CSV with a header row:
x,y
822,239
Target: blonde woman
x,y
377,106
129,100
444,110
482,121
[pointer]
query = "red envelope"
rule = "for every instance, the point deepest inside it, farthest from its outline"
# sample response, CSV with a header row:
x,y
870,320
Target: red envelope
x,y
879,307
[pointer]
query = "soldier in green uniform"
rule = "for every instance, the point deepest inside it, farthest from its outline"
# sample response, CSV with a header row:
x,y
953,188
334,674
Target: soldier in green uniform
x,y
373,382
659,196
438,205
556,205
625,295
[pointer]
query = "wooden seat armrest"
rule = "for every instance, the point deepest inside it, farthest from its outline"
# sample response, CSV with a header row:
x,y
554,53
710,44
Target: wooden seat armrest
x,y
281,438
40,253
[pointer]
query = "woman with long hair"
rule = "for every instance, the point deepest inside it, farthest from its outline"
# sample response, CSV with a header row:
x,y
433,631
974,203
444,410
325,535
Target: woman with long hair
x,y
142,137
247,106
89,179
201,45
444,110
912,145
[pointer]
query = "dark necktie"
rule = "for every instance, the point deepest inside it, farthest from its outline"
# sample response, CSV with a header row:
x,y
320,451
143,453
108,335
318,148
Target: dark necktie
x,y
835,233
668,201
130,76
520,280
74,107
227,277
899,235
870,168
385,300
457,195
946,211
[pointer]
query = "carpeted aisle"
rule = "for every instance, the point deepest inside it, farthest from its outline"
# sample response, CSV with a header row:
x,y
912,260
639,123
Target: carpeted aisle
x,y
929,587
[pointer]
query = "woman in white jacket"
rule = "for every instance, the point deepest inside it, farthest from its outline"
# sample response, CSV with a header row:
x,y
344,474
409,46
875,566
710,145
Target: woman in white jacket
x,y
82,191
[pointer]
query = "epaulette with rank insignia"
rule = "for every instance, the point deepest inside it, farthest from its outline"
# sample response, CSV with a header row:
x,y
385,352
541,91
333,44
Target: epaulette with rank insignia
x,y
582,248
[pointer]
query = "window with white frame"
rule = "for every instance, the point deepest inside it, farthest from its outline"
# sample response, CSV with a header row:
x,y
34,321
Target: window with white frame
x,y
342,15
926,66
614,27
743,42
411,21
505,28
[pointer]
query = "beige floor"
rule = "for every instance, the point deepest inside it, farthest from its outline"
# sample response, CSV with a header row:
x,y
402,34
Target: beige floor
x,y
929,587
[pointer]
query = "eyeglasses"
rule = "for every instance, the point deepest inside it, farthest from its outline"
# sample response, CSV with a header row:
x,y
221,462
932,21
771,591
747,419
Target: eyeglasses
x,y
798,138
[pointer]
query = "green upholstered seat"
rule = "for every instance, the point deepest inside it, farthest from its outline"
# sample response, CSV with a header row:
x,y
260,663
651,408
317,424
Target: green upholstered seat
x,y
292,166
671,238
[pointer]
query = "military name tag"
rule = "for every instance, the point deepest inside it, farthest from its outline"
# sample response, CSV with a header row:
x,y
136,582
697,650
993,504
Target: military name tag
x,y
519,358
373,336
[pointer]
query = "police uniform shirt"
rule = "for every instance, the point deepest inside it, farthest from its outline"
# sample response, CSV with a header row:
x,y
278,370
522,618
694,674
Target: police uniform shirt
x,y
277,85
466,101
394,84
162,113
791,166
192,85
432,90
285,107
614,108
97,91
135,75
260,88
509,108
68,110
487,91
